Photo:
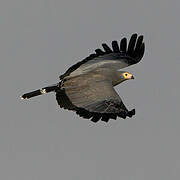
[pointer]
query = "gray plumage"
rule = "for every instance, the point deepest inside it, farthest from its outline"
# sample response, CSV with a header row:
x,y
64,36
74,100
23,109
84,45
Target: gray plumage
x,y
87,87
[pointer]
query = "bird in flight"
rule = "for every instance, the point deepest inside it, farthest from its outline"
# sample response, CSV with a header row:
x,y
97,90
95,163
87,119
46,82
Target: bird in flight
x,y
87,86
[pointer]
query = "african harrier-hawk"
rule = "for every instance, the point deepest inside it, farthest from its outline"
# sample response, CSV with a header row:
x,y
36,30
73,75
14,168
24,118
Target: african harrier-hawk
x,y
87,86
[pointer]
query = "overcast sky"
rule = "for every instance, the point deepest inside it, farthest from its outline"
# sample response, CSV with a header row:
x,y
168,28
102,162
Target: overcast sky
x,y
39,40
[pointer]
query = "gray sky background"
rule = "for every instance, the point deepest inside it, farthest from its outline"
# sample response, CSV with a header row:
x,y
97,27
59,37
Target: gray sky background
x,y
39,40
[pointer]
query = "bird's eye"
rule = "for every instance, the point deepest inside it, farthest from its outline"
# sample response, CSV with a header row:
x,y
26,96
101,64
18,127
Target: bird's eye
x,y
126,74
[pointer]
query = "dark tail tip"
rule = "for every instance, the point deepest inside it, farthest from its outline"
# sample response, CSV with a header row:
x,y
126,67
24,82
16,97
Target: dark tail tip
x,y
32,94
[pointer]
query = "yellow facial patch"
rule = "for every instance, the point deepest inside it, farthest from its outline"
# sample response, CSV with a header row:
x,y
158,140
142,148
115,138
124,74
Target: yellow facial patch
x,y
127,75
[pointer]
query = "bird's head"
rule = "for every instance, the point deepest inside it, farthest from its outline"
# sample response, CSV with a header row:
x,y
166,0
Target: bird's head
x,y
122,76
126,75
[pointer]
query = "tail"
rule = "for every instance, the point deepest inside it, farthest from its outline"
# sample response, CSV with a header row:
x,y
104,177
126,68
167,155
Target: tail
x,y
40,91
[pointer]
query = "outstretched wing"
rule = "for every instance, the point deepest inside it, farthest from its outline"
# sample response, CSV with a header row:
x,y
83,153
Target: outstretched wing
x,y
116,58
92,97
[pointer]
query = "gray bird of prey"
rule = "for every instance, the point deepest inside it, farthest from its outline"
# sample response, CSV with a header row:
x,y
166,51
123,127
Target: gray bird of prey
x,y
87,86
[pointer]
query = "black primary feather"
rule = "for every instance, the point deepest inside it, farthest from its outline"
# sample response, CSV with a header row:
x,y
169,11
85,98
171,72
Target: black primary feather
x,y
132,44
123,45
138,45
115,46
99,52
107,48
